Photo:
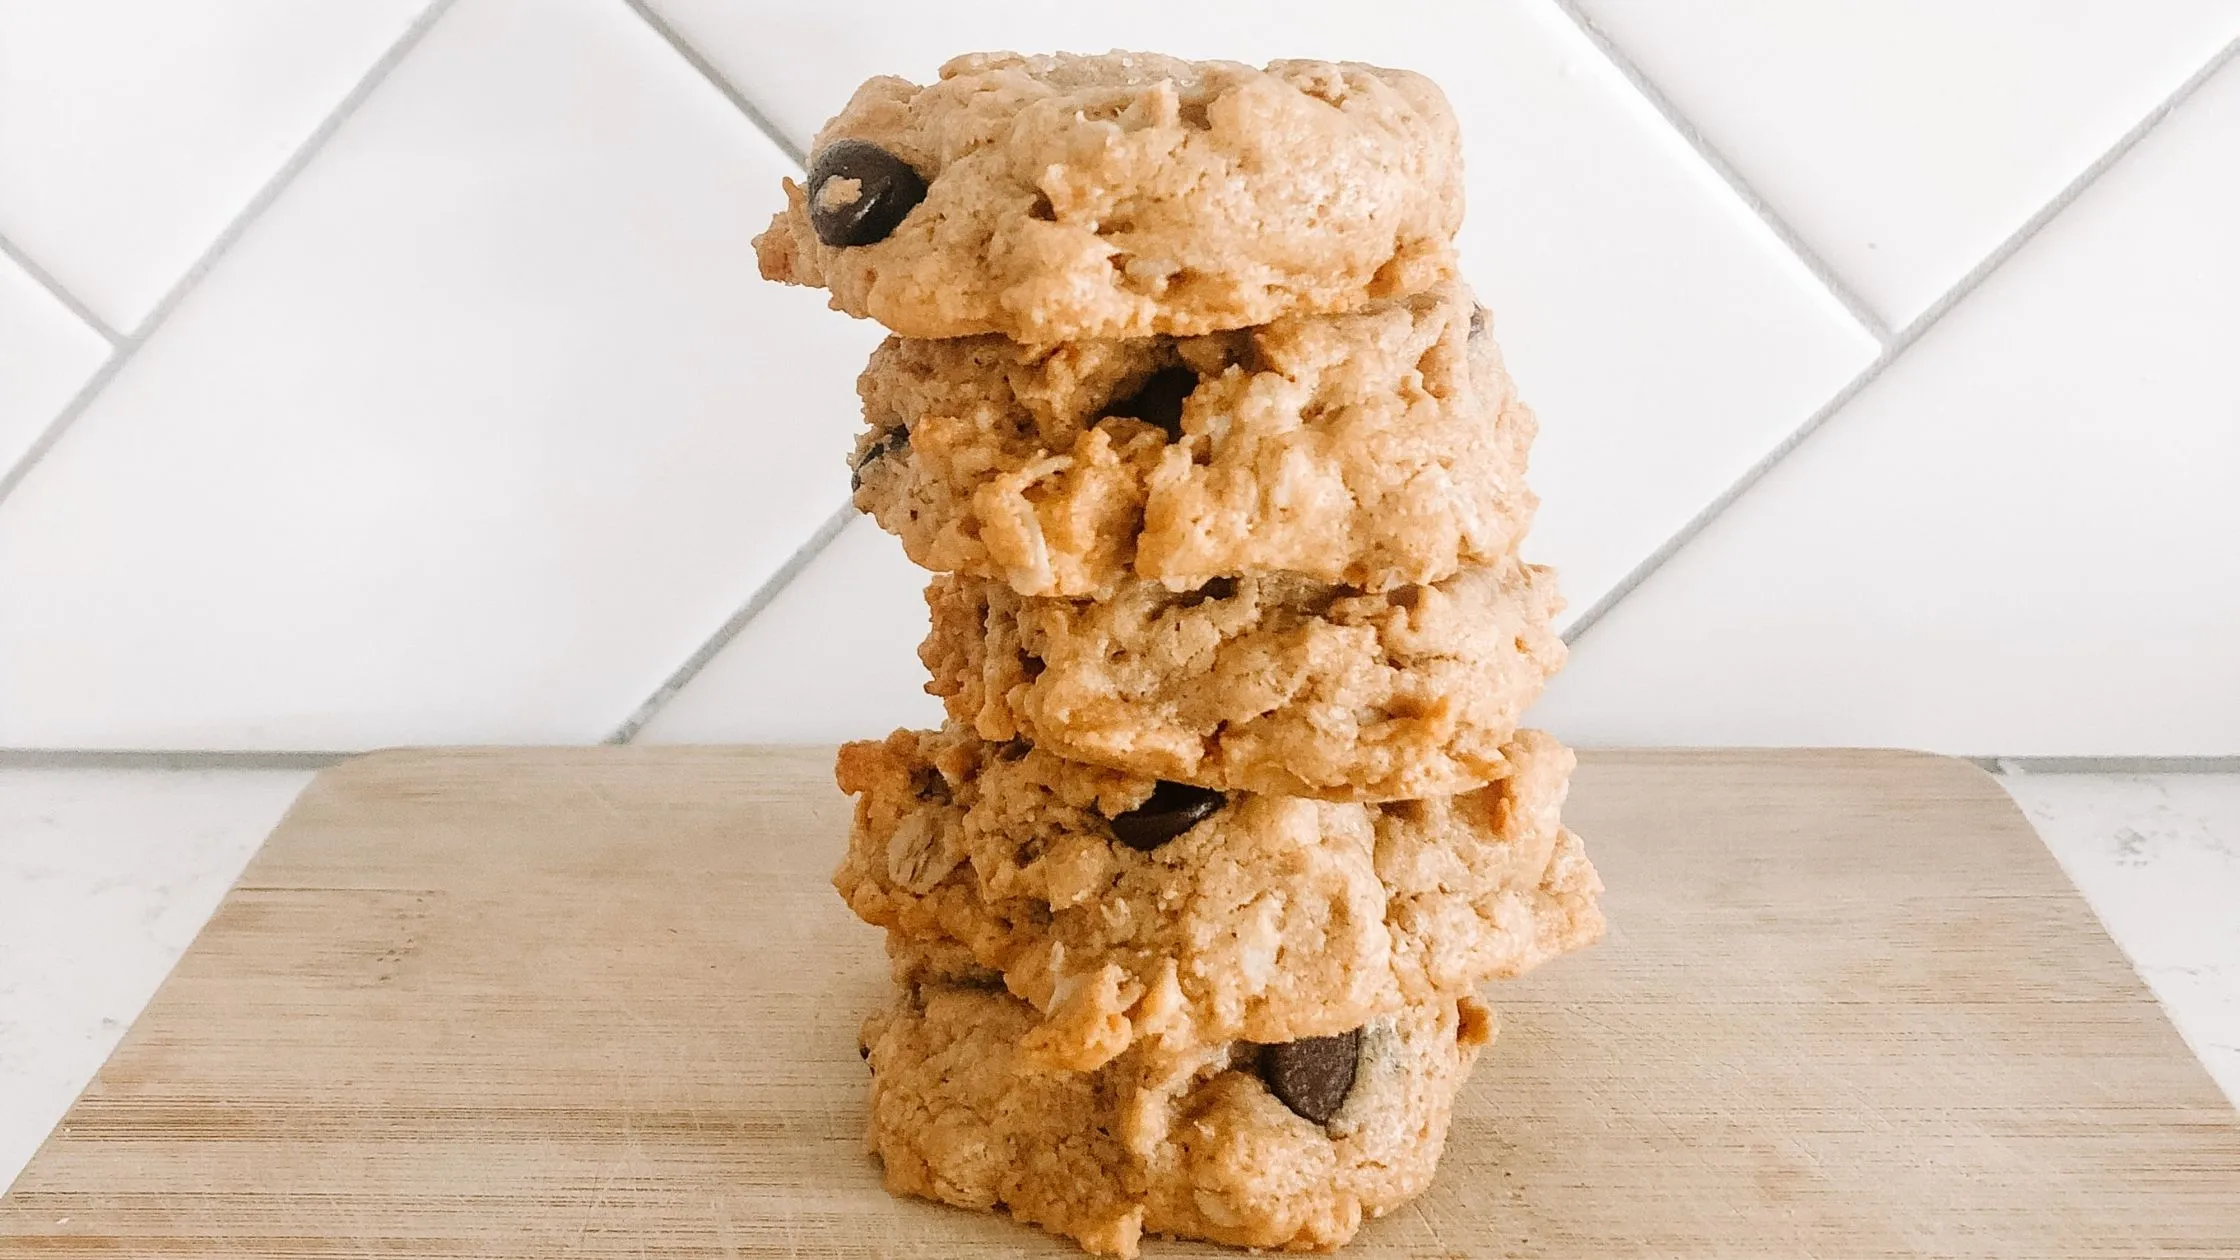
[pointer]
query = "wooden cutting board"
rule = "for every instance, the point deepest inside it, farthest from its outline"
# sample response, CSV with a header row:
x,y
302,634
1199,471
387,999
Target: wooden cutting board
x,y
602,1003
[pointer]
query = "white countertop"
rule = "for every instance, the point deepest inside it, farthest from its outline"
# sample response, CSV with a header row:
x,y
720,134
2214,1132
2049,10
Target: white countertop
x,y
106,875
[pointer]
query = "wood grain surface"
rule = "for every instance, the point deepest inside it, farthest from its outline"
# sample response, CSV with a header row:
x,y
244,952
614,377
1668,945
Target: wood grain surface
x,y
603,1003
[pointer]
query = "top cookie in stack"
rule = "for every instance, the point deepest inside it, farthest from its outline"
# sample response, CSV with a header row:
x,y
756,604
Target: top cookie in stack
x,y
1069,198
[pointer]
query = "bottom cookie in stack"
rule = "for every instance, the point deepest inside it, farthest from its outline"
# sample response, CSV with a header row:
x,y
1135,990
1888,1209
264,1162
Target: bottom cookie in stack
x,y
1288,1146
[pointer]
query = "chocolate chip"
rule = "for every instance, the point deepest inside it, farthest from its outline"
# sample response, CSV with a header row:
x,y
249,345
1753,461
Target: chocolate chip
x,y
1159,402
1214,588
1173,809
863,1050
885,190
1313,1075
885,444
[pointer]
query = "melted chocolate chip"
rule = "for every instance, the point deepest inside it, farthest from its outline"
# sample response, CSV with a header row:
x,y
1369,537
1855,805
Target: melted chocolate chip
x,y
1159,402
1313,1075
928,784
1214,588
885,190
1173,809
886,444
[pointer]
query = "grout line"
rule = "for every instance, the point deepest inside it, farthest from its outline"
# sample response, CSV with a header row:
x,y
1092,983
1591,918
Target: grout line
x,y
729,630
717,80
1718,506
262,200
164,759
45,279
1903,341
1725,170
63,419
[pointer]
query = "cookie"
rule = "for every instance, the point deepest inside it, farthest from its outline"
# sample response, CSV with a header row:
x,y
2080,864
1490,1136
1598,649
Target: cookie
x,y
1065,197
1123,908
1268,683
1255,1146
1375,448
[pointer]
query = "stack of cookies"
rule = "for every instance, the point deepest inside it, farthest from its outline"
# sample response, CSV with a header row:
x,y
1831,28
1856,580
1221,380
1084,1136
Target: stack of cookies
x,y
1222,481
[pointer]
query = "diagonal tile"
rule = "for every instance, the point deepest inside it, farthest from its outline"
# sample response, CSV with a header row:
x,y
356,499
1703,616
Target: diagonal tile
x,y
834,656
132,131
474,436
2019,540
1666,339
105,876
1905,140
49,355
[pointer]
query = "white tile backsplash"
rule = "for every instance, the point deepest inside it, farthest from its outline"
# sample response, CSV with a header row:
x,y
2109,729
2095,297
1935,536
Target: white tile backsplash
x,y
834,657
46,354
2020,540
132,131
486,424
473,436
1905,139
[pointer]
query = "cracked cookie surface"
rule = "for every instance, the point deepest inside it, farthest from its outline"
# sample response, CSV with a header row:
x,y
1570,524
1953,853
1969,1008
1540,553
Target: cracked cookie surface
x,y
1264,683
1123,910
1129,194
1376,448
1196,1148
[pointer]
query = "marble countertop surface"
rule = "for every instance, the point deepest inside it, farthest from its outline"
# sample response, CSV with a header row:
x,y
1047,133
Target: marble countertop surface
x,y
107,874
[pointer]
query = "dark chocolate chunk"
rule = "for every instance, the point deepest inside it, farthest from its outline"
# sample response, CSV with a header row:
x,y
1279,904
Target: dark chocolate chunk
x,y
929,784
885,190
886,444
1313,1075
1173,809
1159,402
1214,588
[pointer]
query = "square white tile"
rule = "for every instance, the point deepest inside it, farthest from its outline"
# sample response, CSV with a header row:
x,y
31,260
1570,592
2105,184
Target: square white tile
x,y
834,657
1666,339
132,131
2018,541
1905,139
474,436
